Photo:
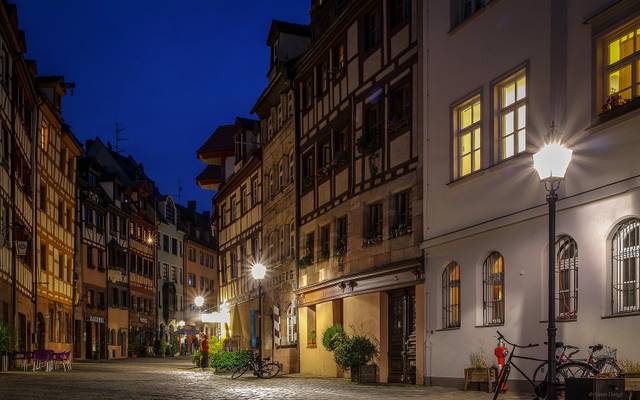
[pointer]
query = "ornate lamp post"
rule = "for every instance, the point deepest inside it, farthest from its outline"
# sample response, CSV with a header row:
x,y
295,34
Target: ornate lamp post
x,y
258,271
551,163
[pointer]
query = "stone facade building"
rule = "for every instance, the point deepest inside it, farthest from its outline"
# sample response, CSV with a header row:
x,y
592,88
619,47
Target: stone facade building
x,y
234,152
276,109
170,271
57,151
360,189
18,121
201,269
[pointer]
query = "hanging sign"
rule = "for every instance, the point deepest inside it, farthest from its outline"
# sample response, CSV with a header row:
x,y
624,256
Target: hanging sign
x,y
21,247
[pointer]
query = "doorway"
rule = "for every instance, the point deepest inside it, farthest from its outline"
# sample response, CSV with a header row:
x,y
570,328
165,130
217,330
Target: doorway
x,y
402,336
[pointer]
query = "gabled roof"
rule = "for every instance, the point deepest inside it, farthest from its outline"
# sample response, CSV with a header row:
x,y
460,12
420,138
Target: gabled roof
x,y
219,144
278,26
210,175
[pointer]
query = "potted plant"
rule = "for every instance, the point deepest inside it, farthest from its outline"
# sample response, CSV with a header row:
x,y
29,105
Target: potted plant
x,y
333,336
479,372
354,354
8,340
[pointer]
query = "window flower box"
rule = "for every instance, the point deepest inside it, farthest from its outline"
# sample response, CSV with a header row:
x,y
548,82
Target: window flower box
x,y
305,261
372,239
399,230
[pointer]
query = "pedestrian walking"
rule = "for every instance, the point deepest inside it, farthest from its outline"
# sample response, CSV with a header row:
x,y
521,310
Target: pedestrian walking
x,y
204,350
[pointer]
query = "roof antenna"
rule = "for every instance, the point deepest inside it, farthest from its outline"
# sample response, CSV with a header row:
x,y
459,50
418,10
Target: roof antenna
x,y
119,137
179,189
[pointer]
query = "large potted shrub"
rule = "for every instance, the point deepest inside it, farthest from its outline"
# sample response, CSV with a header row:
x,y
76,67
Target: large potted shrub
x,y
8,341
333,336
353,354
225,361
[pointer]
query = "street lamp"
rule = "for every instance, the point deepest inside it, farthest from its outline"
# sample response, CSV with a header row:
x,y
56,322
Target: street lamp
x,y
258,271
198,301
551,163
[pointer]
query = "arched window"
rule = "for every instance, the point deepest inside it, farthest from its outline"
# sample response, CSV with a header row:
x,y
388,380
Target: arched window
x,y
493,289
451,296
567,267
625,264
292,325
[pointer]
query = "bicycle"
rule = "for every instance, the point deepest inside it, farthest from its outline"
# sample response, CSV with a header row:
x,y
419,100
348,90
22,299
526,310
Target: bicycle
x,y
603,358
262,368
568,369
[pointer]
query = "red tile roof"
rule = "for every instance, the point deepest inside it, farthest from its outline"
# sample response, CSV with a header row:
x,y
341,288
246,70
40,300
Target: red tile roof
x,y
219,144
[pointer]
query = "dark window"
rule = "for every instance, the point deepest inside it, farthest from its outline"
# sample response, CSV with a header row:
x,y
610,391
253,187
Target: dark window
x,y
60,212
43,196
372,29
90,263
115,297
374,222
402,214
308,172
372,136
400,108
309,245
324,242
493,289
88,216
99,222
322,74
43,257
234,266
399,13
165,243
461,10
451,296
308,93
341,235
174,246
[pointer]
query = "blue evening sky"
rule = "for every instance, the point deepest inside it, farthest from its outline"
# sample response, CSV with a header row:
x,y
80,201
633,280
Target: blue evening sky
x,y
169,71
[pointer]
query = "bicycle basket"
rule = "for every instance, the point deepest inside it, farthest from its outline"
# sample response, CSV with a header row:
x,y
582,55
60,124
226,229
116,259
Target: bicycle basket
x,y
605,352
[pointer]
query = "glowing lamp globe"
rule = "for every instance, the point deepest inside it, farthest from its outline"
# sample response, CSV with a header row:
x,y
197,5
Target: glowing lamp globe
x,y
552,162
199,301
258,271
181,324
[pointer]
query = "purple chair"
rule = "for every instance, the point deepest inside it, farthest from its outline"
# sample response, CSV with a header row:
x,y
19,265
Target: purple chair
x,y
42,358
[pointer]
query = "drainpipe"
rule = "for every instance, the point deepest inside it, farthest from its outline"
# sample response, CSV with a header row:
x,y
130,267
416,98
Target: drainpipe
x,y
13,215
296,152
34,215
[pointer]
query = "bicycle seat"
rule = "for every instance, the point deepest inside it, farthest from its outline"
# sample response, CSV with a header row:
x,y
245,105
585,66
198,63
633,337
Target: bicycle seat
x,y
596,347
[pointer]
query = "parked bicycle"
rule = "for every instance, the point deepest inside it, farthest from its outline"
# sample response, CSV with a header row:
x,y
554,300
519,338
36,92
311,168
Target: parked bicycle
x,y
568,369
601,358
261,368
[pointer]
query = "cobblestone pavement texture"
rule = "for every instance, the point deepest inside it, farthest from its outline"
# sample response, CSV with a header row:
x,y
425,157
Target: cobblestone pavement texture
x,y
147,379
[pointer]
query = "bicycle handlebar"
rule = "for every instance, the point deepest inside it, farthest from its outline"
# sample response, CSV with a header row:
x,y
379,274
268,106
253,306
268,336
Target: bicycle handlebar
x,y
501,336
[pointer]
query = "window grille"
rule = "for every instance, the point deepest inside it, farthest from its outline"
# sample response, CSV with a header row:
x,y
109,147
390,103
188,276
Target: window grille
x,y
567,270
493,289
625,287
451,296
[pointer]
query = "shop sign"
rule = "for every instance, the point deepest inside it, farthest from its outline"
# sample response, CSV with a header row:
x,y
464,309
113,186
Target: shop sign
x,y
96,319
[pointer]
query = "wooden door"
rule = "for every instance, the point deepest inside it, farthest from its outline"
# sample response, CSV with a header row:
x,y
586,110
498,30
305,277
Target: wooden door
x,y
402,336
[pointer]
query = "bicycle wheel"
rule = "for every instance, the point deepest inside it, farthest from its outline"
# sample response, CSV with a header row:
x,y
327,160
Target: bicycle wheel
x,y
502,379
239,371
573,369
540,374
268,370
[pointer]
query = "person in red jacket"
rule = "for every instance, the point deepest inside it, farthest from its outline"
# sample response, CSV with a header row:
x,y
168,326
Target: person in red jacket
x,y
204,352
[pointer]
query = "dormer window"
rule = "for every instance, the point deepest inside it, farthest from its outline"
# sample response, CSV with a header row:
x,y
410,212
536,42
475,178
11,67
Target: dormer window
x,y
170,211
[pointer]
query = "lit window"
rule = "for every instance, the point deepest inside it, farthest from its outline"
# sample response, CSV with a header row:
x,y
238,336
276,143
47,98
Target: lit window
x,y
44,135
623,50
493,289
468,130
451,296
513,115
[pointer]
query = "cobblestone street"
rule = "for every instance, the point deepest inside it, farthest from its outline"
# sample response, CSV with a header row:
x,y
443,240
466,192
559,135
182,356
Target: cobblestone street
x,y
168,379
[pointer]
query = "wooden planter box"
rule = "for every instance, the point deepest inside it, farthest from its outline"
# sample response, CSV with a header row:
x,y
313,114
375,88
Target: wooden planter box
x,y
632,385
480,375
365,374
